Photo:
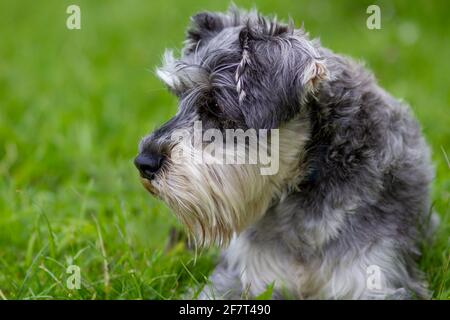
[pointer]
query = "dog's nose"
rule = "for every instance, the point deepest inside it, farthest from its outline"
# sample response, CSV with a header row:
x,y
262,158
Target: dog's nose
x,y
148,164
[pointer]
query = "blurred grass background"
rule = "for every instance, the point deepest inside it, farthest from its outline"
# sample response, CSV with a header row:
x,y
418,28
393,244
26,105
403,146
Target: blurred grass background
x,y
74,104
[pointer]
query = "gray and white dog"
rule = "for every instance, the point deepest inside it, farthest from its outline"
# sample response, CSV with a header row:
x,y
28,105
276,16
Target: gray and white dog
x,y
350,201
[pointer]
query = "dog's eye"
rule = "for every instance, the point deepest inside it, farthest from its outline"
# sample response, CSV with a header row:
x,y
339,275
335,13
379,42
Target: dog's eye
x,y
211,109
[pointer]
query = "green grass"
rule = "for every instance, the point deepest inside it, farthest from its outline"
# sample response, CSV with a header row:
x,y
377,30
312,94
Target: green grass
x,y
74,104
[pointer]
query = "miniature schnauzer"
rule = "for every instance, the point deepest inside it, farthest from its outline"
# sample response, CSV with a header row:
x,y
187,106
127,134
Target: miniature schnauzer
x,y
345,213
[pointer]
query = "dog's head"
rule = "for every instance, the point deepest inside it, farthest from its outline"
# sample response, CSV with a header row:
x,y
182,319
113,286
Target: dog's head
x,y
241,73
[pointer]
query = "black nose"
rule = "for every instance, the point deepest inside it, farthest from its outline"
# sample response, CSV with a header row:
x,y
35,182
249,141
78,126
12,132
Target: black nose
x,y
148,163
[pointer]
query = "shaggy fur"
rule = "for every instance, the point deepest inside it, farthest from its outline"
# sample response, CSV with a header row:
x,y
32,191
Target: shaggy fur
x,y
352,188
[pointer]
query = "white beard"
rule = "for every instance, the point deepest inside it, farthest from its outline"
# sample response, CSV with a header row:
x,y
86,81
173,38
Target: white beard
x,y
216,201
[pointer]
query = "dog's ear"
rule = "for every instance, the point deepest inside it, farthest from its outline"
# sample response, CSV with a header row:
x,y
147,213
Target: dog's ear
x,y
278,70
204,25
179,76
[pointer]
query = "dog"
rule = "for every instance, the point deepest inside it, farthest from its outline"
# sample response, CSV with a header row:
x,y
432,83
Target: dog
x,y
346,211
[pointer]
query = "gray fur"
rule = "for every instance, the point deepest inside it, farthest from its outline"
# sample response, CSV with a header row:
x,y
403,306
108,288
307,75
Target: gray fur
x,y
364,192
